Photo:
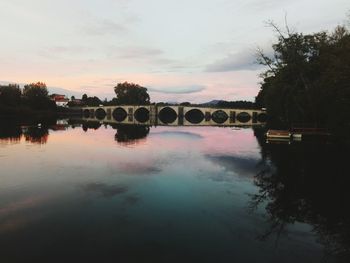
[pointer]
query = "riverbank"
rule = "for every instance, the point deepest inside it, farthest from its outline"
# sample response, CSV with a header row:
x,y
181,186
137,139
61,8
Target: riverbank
x,y
26,114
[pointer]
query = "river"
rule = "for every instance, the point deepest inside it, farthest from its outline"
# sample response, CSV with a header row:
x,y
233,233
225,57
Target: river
x,y
84,192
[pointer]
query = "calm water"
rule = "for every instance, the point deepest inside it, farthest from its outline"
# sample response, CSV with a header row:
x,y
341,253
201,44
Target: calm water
x,y
85,193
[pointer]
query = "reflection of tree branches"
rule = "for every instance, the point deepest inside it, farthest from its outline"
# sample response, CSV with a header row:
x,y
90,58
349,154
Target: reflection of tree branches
x,y
91,125
130,134
37,135
268,187
335,237
303,183
276,228
10,132
262,196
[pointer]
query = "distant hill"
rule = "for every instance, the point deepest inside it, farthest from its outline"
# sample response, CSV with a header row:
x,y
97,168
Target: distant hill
x,y
241,104
212,103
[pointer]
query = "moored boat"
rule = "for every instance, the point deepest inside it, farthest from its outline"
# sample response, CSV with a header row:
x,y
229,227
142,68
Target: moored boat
x,y
278,134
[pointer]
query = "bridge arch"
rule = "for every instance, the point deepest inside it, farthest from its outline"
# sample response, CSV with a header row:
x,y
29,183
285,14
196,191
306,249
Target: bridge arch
x,y
262,117
86,113
244,117
167,115
142,114
194,116
119,114
219,116
100,114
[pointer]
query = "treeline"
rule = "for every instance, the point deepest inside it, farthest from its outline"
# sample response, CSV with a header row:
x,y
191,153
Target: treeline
x,y
126,94
240,104
33,98
308,80
134,94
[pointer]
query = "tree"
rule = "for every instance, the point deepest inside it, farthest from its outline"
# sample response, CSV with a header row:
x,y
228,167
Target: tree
x,y
36,97
307,80
35,90
131,94
93,101
10,95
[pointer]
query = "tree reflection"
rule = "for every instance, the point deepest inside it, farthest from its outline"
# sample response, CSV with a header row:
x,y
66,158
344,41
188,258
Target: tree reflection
x,y
91,125
10,133
130,134
36,135
306,183
13,132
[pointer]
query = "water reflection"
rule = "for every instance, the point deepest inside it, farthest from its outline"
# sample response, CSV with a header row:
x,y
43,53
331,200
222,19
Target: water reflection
x,y
107,191
10,133
306,183
180,192
130,134
245,167
36,135
91,125
39,133
32,134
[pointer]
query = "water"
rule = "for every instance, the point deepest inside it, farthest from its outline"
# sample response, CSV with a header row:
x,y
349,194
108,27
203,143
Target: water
x,y
85,193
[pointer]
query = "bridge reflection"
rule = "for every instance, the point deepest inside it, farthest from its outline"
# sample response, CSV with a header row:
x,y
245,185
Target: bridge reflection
x,y
174,116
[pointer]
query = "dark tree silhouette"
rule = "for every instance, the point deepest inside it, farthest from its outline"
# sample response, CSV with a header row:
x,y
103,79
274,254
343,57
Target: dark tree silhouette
x,y
131,94
305,183
308,79
10,95
130,134
35,95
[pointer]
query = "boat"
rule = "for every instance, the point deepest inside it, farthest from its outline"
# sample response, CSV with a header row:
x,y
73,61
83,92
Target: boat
x,y
278,134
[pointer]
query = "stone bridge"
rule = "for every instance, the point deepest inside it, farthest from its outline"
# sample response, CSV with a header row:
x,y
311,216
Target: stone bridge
x,y
174,115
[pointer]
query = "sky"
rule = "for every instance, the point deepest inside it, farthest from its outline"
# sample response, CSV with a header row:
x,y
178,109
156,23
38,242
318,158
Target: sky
x,y
181,50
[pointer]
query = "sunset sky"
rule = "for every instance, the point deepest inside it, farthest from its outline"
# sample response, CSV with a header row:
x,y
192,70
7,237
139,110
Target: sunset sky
x,y
181,50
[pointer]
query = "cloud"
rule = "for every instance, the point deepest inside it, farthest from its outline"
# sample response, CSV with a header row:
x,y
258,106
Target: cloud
x,y
178,89
244,60
69,49
131,200
148,55
267,4
104,27
247,167
66,92
104,190
138,52
56,52
181,134
138,168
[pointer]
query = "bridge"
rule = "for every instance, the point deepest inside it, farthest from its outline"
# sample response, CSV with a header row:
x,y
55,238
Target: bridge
x,y
174,115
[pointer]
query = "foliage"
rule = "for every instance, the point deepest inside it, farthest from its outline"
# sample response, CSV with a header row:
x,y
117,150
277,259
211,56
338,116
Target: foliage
x,y
10,95
91,101
130,134
308,79
241,104
33,97
35,90
131,94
